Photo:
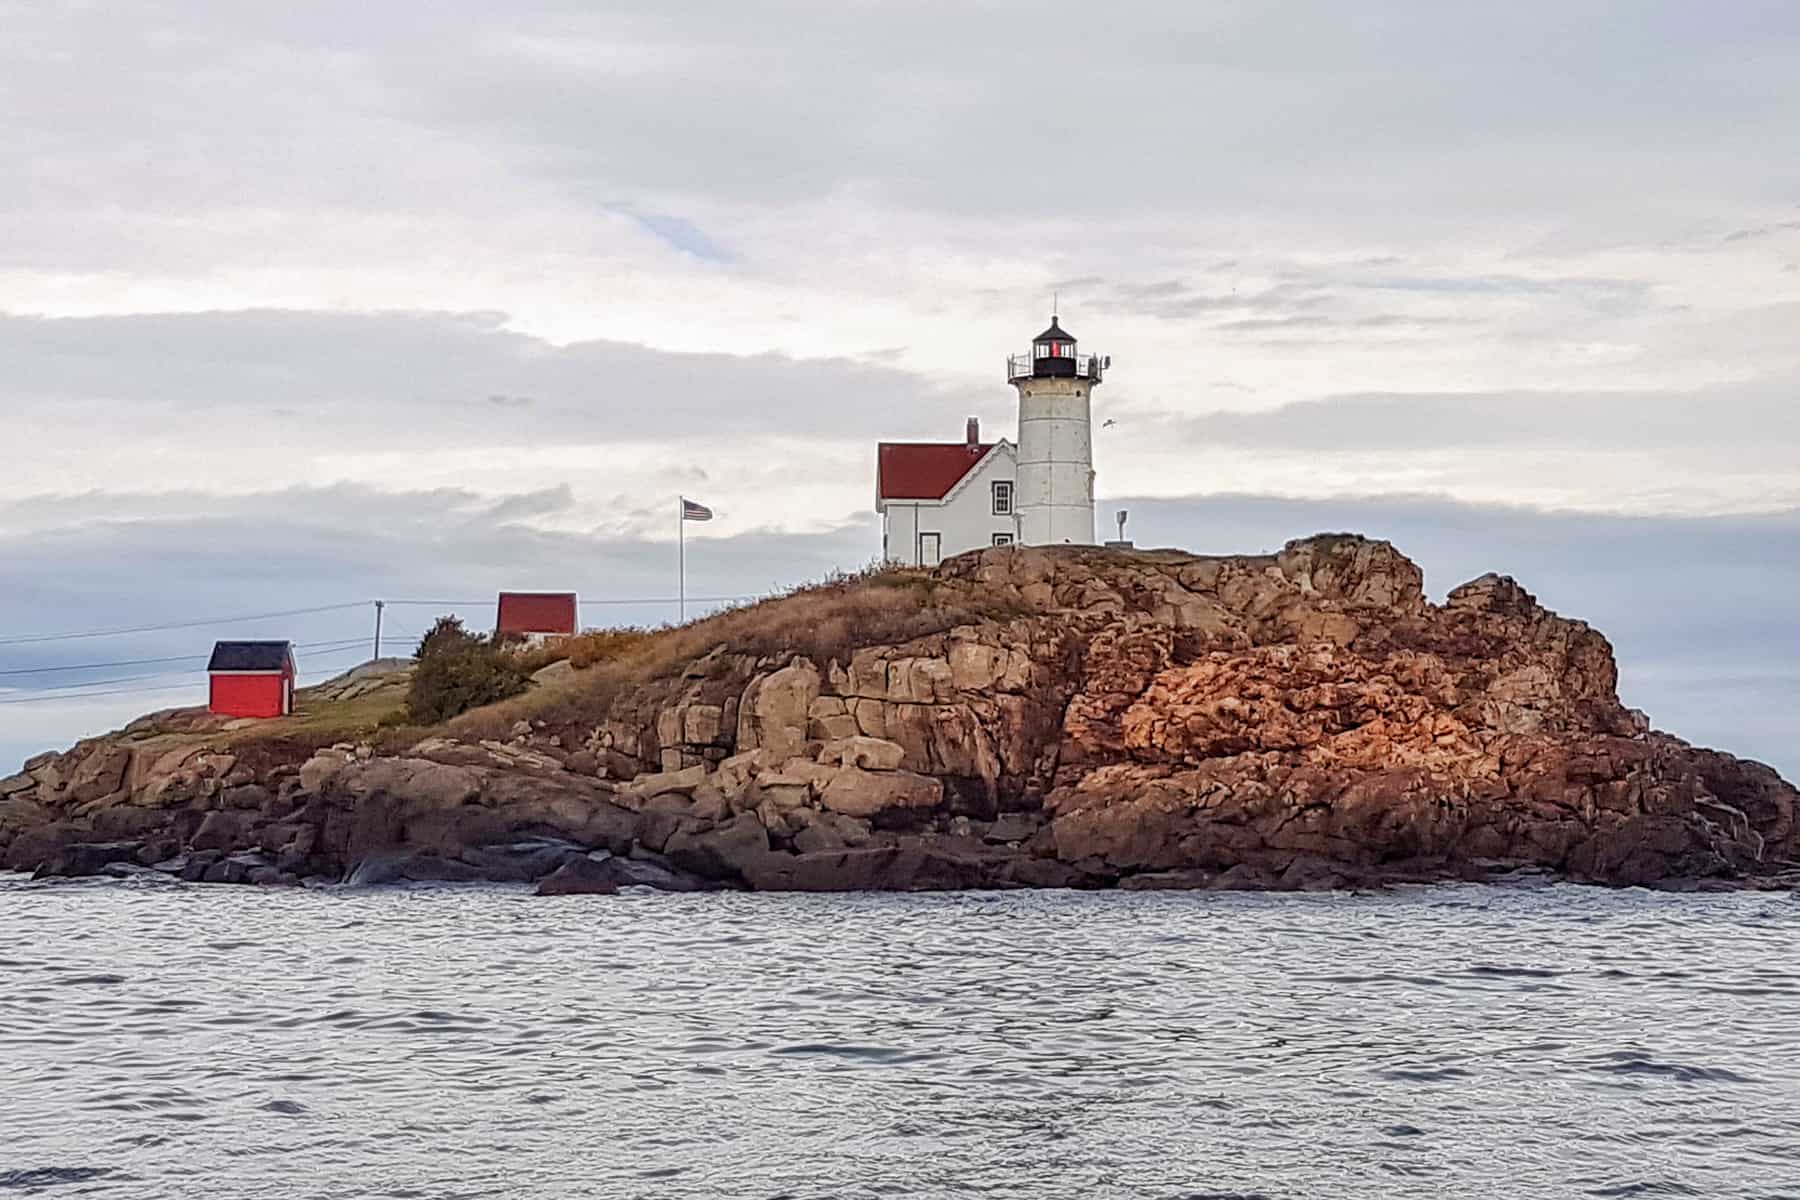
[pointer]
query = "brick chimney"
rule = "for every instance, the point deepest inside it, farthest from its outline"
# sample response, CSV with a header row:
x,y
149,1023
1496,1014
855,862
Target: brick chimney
x,y
974,433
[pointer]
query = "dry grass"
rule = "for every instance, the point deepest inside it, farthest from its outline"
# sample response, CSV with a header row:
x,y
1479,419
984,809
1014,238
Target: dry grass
x,y
317,722
825,622
582,650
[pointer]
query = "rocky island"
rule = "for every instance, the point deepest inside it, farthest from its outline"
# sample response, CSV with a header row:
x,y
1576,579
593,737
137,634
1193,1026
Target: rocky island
x,y
1071,717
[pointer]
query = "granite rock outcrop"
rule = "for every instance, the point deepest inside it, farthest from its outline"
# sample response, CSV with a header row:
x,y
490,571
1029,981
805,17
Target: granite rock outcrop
x,y
1115,718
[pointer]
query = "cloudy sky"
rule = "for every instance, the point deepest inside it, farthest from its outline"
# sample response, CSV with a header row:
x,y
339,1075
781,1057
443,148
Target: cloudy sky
x,y
302,305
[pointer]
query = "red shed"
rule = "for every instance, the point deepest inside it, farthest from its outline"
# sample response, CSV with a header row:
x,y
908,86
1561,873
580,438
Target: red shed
x,y
536,614
251,679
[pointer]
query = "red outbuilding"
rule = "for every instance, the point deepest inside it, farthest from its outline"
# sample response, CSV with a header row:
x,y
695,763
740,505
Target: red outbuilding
x,y
252,679
536,614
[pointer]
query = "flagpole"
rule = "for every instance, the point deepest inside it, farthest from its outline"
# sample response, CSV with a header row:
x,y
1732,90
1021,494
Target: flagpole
x,y
681,544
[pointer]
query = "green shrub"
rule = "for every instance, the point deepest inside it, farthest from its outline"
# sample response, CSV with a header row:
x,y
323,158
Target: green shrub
x,y
445,636
458,671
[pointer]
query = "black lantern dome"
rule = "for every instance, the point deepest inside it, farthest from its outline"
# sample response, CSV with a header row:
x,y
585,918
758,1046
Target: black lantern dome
x,y
1056,333
1053,356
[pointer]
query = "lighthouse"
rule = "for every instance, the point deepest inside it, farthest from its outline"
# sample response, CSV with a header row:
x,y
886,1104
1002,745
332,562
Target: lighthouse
x,y
1056,441
939,499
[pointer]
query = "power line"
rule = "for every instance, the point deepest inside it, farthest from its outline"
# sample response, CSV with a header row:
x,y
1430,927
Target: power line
x,y
123,662
50,695
73,689
145,662
174,687
70,689
584,602
98,633
80,635
445,603
324,649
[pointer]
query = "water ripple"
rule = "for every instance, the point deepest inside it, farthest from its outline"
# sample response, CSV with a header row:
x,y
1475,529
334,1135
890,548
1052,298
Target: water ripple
x,y
429,1041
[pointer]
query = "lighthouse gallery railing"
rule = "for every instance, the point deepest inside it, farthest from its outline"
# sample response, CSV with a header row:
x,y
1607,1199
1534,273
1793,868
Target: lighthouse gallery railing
x,y
1023,366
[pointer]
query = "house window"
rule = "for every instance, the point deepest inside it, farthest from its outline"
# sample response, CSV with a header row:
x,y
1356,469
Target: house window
x,y
1003,505
1003,539
931,551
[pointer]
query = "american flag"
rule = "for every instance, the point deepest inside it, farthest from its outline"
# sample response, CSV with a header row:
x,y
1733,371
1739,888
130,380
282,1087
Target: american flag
x,y
691,511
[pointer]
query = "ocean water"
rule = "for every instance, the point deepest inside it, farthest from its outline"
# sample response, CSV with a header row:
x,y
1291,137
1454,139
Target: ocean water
x,y
159,1040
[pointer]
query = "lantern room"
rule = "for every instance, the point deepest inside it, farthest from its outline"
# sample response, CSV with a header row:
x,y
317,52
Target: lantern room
x,y
1053,356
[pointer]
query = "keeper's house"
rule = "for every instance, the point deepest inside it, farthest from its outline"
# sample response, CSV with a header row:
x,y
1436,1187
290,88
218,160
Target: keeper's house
x,y
534,616
251,679
937,499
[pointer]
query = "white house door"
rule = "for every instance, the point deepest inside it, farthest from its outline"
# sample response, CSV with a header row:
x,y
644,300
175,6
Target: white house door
x,y
931,549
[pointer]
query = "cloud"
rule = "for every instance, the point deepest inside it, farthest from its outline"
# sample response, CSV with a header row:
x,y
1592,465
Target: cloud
x,y
590,170
1773,229
227,403
544,502
806,99
682,235
383,373
239,402
1319,323
1753,421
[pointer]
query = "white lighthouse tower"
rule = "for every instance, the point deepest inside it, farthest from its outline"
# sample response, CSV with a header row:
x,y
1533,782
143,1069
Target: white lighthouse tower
x,y
1056,439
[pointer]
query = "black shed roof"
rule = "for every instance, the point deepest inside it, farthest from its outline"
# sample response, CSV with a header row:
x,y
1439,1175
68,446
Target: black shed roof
x,y
1056,333
250,656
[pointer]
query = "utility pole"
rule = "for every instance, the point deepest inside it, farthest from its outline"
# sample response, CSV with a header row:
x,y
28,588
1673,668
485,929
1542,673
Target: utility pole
x,y
379,605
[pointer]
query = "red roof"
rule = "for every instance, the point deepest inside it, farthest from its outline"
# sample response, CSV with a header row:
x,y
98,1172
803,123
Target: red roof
x,y
536,612
924,470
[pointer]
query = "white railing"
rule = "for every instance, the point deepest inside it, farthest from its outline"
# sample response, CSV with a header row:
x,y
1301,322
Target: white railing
x,y
1024,366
